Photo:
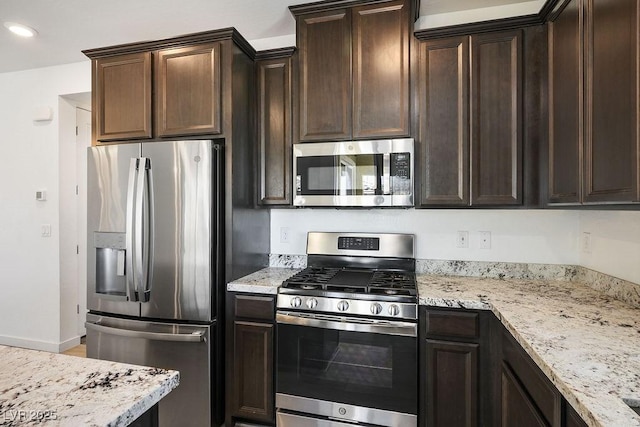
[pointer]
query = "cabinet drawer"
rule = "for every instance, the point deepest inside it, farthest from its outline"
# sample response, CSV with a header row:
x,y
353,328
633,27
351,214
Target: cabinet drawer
x,y
254,306
452,324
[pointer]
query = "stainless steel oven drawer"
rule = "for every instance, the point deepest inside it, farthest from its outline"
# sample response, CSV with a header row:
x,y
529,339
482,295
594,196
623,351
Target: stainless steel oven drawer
x,y
284,419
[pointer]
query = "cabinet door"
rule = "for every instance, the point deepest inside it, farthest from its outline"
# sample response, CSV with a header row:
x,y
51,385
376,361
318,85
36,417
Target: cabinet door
x,y
188,91
443,114
451,383
612,101
381,70
496,119
122,97
517,407
324,43
253,371
274,130
565,105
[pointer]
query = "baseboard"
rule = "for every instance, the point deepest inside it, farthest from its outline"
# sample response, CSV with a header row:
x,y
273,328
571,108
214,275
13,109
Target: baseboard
x,y
51,347
70,343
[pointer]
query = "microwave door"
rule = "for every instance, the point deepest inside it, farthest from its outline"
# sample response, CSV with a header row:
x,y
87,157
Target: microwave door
x,y
111,178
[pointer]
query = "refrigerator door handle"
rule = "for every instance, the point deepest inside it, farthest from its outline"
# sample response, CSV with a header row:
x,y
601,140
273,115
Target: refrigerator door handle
x,y
143,226
130,271
198,336
149,229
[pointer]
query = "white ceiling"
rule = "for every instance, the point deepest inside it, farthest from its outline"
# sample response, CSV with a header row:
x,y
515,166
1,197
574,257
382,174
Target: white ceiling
x,y
65,27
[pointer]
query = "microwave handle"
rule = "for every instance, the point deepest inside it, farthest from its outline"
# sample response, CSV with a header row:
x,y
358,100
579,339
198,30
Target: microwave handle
x,y
386,173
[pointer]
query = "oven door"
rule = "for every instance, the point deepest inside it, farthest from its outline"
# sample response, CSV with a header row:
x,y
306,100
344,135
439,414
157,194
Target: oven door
x,y
352,369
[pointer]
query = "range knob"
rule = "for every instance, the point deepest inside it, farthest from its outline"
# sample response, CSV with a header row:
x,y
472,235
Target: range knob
x,y
312,303
394,310
343,305
376,308
295,302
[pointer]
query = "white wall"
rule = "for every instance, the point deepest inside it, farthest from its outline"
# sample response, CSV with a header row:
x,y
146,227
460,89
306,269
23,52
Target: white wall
x,y
29,263
434,20
615,243
533,236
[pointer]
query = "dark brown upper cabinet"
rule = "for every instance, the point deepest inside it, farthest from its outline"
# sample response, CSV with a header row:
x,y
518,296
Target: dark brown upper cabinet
x,y
444,121
353,69
191,85
187,92
593,103
122,97
274,125
470,120
496,118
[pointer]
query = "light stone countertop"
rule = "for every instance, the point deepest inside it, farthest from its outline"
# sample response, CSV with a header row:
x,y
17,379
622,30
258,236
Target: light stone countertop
x,y
585,341
265,281
40,388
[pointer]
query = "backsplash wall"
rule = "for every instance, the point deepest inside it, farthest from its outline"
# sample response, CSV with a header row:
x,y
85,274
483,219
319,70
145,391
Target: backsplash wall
x,y
530,236
524,236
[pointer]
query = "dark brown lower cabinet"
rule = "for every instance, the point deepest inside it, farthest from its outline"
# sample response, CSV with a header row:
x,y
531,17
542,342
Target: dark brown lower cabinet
x,y
250,359
455,367
452,386
474,373
517,408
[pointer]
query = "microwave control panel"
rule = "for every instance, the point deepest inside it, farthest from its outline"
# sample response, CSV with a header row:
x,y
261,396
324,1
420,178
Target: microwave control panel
x,y
400,173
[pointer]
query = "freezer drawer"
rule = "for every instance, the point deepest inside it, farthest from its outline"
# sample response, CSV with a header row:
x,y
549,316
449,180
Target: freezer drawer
x,y
181,347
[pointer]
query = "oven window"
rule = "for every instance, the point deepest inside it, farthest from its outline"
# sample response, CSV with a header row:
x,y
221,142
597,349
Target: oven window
x,y
362,365
357,368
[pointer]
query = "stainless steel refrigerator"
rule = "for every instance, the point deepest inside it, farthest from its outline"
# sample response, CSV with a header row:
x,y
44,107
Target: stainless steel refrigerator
x,y
156,261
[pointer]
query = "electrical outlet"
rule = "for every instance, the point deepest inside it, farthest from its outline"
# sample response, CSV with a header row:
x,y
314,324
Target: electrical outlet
x,y
586,242
284,234
462,239
485,240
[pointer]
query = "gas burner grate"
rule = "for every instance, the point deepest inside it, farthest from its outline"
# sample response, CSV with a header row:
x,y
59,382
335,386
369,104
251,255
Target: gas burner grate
x,y
378,282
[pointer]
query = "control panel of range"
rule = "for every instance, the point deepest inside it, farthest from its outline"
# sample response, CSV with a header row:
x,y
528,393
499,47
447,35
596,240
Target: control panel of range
x,y
396,310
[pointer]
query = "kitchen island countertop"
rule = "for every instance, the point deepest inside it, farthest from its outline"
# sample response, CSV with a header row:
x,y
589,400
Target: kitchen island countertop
x,y
586,342
41,388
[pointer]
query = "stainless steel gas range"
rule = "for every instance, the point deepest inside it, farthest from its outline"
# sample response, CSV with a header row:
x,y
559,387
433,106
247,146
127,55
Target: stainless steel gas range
x,y
347,334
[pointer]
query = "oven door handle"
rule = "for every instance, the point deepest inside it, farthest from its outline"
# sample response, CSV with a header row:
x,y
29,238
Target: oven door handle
x,y
350,324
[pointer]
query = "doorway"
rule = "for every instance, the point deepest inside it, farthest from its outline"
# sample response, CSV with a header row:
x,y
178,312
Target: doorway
x,y
74,138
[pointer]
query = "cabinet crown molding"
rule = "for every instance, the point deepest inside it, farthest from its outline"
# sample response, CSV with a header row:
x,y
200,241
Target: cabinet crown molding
x,y
185,40
327,5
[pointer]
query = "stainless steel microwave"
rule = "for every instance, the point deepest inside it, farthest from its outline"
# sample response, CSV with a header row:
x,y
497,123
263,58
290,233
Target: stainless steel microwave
x,y
354,173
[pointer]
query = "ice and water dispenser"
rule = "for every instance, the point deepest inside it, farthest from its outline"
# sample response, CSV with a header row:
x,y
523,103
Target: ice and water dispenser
x,y
110,263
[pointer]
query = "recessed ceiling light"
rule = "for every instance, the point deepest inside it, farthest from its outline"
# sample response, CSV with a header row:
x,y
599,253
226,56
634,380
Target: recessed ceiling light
x,y
21,30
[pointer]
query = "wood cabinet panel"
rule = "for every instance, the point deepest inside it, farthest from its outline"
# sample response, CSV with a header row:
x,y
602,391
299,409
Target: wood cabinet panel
x,y
122,97
565,105
381,70
453,323
444,131
324,43
572,418
496,118
253,371
254,307
274,130
517,407
539,389
612,101
451,384
188,91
